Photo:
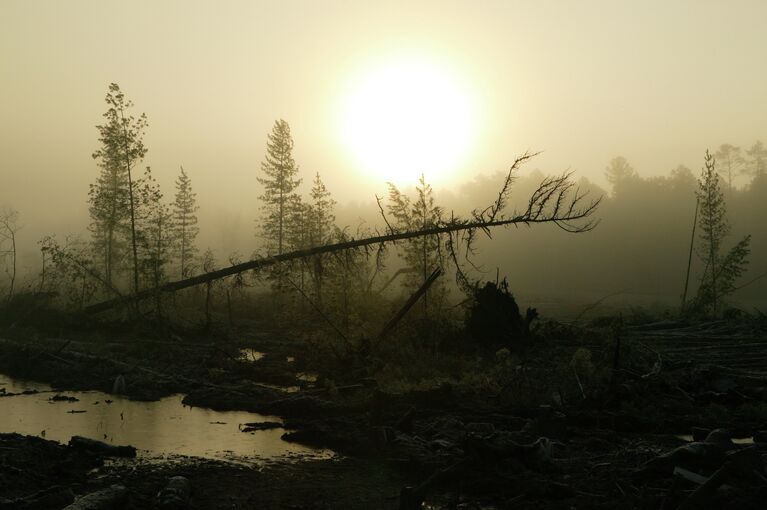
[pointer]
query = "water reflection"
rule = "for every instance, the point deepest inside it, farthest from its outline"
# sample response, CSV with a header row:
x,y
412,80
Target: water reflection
x,y
163,427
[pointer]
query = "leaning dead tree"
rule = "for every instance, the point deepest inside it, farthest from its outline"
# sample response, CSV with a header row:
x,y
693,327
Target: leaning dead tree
x,y
557,200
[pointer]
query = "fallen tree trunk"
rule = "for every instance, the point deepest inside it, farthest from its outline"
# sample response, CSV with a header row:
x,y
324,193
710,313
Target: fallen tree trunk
x,y
556,200
451,227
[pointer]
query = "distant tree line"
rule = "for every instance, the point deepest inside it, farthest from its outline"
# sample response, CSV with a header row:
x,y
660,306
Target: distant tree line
x,y
642,245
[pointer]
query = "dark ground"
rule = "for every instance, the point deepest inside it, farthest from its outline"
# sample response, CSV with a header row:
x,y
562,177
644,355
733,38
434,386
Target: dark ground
x,y
599,446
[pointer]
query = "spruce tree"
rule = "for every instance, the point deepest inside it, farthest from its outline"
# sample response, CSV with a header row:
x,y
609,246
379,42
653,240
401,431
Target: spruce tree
x,y
281,202
280,182
184,209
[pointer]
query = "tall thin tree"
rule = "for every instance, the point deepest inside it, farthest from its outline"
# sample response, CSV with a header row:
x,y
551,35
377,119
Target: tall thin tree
x,y
280,199
122,148
184,209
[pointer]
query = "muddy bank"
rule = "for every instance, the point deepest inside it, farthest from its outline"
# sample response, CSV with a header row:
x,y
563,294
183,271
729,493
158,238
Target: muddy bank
x,y
31,465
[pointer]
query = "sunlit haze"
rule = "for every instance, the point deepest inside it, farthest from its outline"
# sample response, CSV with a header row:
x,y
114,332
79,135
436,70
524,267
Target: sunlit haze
x,y
373,92
406,116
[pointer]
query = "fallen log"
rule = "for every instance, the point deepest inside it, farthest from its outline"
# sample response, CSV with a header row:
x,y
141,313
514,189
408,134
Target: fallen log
x,y
101,448
553,202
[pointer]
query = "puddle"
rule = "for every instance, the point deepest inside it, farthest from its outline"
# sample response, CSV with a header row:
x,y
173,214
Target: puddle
x,y
251,355
161,428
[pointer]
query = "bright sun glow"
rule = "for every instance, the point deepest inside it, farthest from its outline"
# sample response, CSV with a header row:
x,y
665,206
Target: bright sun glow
x,y
407,117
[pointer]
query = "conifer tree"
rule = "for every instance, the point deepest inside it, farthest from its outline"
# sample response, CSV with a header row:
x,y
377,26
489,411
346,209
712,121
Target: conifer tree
x,y
322,215
322,224
112,200
720,271
425,253
184,209
280,182
155,230
281,202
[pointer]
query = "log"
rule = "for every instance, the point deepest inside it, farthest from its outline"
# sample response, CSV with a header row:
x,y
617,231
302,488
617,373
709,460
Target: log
x,y
101,448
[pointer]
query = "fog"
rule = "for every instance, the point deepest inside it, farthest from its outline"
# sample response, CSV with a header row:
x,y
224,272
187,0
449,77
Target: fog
x,y
655,83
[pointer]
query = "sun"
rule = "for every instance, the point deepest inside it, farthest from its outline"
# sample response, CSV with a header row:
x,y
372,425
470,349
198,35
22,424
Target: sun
x,y
408,116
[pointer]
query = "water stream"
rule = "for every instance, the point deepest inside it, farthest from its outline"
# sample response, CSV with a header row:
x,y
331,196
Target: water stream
x,y
161,428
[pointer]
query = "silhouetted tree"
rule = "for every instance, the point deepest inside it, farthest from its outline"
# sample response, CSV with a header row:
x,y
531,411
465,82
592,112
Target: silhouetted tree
x,y
281,202
122,147
720,271
155,232
425,253
184,209
280,182
730,159
755,164
619,172
322,223
9,226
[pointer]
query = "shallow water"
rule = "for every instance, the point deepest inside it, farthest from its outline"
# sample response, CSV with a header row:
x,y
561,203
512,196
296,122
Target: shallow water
x,y
163,427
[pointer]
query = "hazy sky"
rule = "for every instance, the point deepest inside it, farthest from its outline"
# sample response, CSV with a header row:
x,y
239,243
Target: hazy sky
x,y
654,81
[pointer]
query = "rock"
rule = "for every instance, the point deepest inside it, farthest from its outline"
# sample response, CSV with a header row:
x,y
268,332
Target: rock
x,y
697,456
100,448
699,433
52,497
175,495
480,429
111,498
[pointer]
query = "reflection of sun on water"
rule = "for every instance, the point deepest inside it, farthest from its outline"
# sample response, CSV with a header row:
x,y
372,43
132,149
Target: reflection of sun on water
x,y
406,117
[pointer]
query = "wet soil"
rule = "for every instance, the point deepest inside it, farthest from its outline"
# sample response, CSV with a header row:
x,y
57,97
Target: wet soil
x,y
454,450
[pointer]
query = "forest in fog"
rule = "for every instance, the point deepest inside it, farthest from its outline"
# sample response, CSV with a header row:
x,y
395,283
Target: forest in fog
x,y
141,236
322,254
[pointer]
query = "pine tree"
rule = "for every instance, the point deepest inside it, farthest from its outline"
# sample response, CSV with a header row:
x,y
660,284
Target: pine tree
x,y
184,209
113,203
720,271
